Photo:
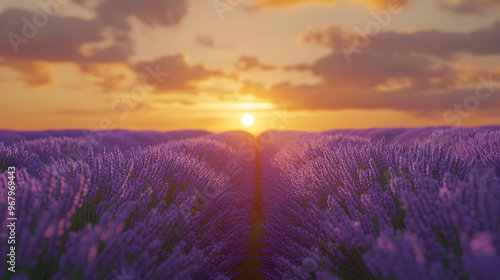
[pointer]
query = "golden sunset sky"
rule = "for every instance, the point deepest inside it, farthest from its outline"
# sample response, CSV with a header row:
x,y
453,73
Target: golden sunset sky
x,y
294,65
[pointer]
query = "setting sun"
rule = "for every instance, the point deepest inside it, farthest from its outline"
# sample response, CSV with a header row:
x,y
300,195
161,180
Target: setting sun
x,y
247,119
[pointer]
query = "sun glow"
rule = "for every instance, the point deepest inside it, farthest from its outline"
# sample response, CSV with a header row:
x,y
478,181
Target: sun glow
x,y
247,119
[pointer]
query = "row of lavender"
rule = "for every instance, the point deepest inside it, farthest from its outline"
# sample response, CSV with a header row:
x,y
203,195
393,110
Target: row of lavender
x,y
343,206
178,210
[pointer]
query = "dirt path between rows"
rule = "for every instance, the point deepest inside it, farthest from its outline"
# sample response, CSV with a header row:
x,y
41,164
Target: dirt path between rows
x,y
252,262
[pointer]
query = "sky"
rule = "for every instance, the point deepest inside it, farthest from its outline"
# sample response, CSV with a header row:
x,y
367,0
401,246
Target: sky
x,y
292,64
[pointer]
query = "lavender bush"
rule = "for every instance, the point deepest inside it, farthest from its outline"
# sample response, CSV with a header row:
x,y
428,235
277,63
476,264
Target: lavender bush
x,y
352,204
172,211
342,207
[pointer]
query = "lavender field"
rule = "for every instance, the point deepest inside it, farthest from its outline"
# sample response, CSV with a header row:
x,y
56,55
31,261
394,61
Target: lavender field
x,y
419,203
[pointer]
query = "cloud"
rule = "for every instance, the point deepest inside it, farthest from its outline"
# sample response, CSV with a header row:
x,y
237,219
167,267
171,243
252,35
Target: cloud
x,y
111,82
106,37
378,80
483,41
326,97
33,73
331,36
205,41
150,12
173,73
247,63
371,70
27,47
393,70
478,7
61,40
208,42
34,39
297,67
93,46
381,4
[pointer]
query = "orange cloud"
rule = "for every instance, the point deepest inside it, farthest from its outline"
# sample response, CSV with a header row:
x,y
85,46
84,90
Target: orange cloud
x,y
366,71
150,12
288,3
478,7
379,80
483,41
172,73
33,73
